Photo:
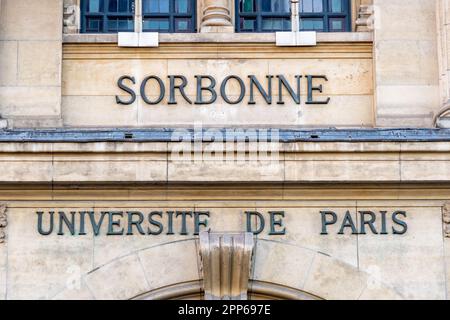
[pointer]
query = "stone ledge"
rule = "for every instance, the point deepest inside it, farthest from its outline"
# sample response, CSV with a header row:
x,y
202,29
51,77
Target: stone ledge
x,y
221,37
286,135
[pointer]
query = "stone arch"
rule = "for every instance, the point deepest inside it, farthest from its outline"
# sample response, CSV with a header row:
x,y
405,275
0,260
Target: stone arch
x,y
280,270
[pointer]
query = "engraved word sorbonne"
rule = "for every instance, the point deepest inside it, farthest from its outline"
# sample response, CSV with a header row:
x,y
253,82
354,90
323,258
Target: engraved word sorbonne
x,y
208,89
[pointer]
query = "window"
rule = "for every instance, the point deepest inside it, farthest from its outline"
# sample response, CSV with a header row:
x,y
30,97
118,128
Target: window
x,y
325,15
169,15
107,16
275,15
263,15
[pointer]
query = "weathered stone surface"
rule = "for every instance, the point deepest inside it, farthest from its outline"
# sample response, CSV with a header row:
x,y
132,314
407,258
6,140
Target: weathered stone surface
x,y
41,266
284,264
170,268
393,258
123,278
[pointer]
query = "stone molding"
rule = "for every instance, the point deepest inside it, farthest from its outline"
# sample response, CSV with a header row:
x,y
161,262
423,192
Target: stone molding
x,y
446,219
226,262
3,223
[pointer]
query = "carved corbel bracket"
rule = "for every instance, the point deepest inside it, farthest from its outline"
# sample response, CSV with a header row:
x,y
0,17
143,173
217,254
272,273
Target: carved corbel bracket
x,y
226,260
365,16
446,219
3,223
71,16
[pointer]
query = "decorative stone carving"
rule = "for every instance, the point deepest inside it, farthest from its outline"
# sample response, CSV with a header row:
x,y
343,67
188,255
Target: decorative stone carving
x,y
446,219
3,223
364,21
216,16
226,264
71,16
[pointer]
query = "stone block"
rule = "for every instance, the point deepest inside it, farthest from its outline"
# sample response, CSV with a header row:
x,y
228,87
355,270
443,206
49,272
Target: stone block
x,y
283,264
123,278
30,102
332,279
31,20
393,259
39,63
8,63
40,266
167,269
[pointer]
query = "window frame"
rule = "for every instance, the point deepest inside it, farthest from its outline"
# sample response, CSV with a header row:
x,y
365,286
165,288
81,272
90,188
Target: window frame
x,y
105,15
258,15
172,15
325,16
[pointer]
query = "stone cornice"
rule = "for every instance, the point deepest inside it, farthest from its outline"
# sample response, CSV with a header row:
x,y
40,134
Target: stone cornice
x,y
286,135
322,37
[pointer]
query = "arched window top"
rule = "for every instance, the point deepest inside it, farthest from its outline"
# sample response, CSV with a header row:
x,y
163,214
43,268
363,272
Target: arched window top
x,y
275,15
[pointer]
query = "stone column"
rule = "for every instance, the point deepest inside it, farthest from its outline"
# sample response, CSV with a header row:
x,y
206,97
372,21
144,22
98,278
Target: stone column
x,y
226,263
216,16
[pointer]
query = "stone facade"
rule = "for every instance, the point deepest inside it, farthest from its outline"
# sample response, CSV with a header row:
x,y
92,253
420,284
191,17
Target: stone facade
x,y
347,190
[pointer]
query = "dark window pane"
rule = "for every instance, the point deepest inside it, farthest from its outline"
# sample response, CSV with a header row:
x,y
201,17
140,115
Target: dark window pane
x,y
181,6
164,6
120,24
311,24
337,24
307,6
318,5
112,6
94,24
124,6
94,6
279,6
156,6
275,24
336,5
156,24
287,25
247,5
182,25
248,24
311,6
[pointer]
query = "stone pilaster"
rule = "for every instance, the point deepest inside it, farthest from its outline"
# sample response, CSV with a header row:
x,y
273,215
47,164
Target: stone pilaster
x,y
405,96
31,63
216,16
226,263
442,118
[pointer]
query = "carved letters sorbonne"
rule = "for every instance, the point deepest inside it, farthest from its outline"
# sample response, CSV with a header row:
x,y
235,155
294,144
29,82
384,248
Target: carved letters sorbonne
x,y
3,223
